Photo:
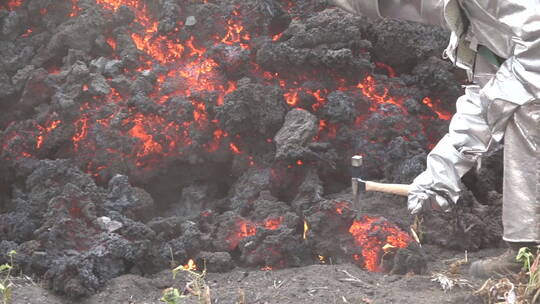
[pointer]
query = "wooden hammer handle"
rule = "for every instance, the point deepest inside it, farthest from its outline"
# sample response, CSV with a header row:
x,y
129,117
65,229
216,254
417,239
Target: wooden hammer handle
x,y
398,189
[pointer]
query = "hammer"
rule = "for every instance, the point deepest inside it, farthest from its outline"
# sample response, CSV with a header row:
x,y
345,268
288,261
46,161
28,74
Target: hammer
x,y
359,185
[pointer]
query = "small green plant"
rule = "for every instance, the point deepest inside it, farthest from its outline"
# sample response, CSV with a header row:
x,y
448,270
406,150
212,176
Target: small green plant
x,y
172,296
531,264
5,279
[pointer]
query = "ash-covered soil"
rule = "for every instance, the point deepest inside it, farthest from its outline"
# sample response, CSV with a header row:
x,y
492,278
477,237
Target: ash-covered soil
x,y
323,283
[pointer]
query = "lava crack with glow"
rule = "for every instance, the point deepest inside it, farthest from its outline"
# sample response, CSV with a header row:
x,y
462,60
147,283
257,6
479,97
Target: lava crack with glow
x,y
245,228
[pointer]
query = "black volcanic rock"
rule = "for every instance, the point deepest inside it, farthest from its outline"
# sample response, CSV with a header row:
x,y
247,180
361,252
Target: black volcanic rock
x,y
252,108
298,129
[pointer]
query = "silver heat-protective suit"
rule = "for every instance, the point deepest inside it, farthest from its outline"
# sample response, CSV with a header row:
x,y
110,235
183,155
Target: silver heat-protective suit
x,y
498,43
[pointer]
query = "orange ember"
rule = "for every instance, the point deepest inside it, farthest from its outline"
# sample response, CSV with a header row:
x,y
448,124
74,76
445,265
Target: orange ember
x,y
234,148
367,234
112,43
27,33
340,206
244,228
292,97
273,223
75,9
190,265
444,115
13,4
115,4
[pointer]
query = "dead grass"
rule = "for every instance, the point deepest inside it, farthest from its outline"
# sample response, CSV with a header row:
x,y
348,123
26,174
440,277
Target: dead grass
x,y
521,288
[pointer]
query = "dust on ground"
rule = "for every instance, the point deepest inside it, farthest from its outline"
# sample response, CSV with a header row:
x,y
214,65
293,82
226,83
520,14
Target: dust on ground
x,y
325,283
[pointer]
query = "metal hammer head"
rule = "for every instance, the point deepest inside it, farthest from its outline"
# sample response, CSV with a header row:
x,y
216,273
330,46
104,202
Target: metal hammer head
x,y
358,185
356,165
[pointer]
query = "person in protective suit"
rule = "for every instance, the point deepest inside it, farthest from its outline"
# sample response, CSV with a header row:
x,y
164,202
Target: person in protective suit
x,y
498,44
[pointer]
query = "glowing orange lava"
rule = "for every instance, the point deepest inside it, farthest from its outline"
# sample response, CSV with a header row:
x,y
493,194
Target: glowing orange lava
x,y
188,71
235,32
340,206
273,223
190,265
369,89
43,131
13,4
81,133
367,234
244,228
234,148
444,115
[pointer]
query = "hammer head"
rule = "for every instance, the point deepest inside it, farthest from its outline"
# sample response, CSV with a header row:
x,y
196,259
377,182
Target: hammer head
x,y
356,165
358,185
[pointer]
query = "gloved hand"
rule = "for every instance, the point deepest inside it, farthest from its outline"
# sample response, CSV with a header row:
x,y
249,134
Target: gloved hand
x,y
422,198
439,186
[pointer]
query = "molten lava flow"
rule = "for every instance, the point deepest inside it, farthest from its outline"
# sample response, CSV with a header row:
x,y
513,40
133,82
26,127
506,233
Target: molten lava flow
x,y
244,228
273,223
139,131
43,131
371,234
369,89
187,70
236,33
444,115
291,97
81,132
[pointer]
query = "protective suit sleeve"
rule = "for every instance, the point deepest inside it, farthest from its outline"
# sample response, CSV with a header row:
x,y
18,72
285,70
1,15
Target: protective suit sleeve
x,y
468,138
424,11
483,114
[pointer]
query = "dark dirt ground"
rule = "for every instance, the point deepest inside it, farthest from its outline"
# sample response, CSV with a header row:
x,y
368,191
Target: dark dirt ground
x,y
311,284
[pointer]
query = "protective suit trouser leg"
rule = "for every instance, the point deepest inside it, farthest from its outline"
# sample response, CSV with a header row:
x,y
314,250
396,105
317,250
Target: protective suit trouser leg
x,y
521,190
